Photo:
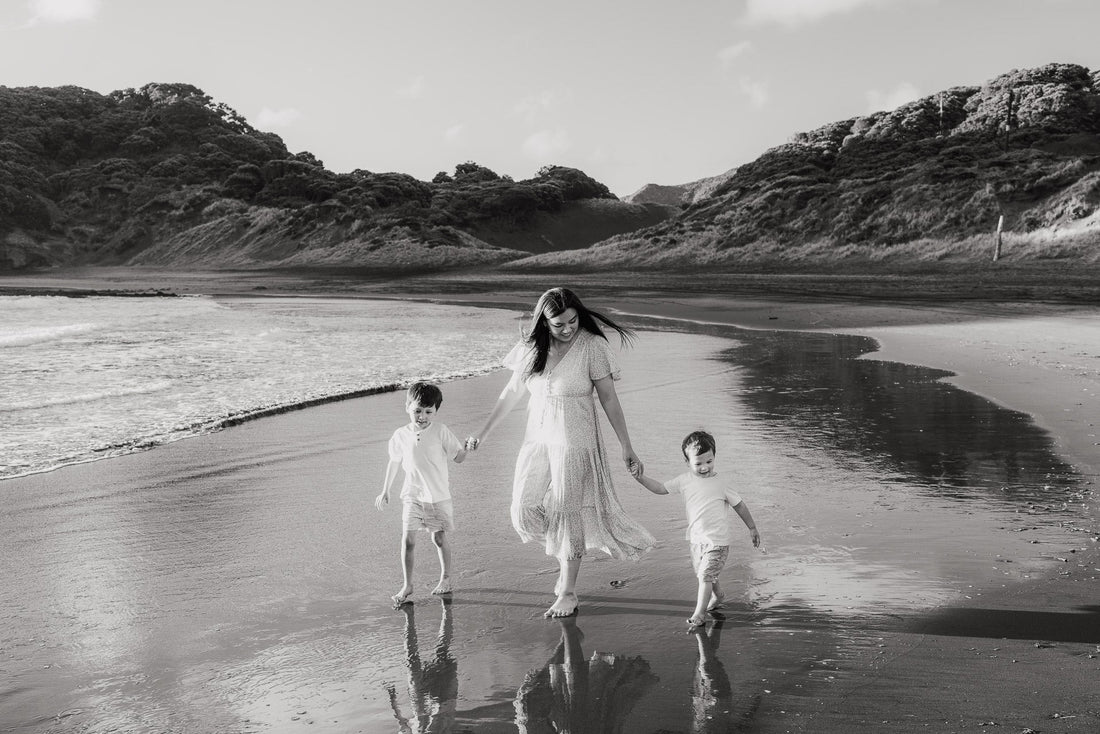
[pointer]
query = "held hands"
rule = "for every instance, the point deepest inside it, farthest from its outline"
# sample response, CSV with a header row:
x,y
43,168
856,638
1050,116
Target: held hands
x,y
472,443
633,463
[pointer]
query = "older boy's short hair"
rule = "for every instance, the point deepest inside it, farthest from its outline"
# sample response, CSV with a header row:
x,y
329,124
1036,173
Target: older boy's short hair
x,y
424,393
700,441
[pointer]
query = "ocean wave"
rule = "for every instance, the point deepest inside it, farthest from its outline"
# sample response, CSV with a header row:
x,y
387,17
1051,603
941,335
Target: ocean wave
x,y
213,424
89,397
41,335
158,372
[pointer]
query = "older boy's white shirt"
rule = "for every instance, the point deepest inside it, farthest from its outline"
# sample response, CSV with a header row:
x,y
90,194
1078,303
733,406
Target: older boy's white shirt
x,y
425,461
708,502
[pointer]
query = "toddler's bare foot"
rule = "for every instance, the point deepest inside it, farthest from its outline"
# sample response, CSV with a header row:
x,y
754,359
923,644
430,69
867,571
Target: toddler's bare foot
x,y
716,602
696,620
565,606
402,596
444,586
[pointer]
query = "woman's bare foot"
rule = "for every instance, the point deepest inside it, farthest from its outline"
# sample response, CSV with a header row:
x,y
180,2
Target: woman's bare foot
x,y
716,602
402,596
565,606
696,620
444,586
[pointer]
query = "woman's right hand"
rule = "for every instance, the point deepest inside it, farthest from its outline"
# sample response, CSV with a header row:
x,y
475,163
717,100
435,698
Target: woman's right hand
x,y
633,463
472,443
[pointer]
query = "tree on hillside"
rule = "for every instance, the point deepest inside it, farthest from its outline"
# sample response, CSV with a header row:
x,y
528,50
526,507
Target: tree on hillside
x,y
470,172
574,183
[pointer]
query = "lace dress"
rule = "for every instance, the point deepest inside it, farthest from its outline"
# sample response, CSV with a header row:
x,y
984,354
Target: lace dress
x,y
562,494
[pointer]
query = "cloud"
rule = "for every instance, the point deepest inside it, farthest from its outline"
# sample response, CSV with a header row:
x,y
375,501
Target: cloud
x,y
729,53
756,91
277,118
799,12
61,11
533,106
546,145
453,132
414,89
884,101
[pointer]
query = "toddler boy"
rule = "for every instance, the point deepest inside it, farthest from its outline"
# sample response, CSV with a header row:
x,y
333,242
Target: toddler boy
x,y
708,498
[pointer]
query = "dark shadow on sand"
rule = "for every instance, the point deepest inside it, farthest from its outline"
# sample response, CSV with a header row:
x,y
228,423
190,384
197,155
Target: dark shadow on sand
x,y
593,605
1014,624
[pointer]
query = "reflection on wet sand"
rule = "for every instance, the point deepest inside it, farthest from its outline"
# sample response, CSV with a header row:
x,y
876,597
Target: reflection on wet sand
x,y
572,695
433,685
898,418
713,708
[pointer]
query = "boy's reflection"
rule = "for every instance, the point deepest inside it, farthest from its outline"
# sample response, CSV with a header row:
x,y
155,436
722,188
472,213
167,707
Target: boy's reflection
x,y
711,692
718,705
433,687
571,695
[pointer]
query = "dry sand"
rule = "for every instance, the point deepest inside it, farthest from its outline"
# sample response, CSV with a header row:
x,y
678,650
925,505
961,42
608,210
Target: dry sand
x,y
237,582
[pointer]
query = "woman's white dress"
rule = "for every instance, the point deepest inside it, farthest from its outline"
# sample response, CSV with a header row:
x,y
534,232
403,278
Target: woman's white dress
x,y
562,494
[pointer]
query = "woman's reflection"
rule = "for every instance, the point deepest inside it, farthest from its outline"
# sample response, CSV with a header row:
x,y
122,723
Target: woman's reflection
x,y
433,686
571,695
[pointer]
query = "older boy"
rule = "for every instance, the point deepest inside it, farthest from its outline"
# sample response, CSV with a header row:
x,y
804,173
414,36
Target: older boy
x,y
422,448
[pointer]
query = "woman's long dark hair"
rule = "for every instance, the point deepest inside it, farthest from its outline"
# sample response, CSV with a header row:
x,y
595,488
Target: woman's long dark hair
x,y
554,302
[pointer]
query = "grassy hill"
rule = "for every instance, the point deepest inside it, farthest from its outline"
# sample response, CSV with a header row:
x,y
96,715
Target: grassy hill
x,y
164,175
925,183
679,195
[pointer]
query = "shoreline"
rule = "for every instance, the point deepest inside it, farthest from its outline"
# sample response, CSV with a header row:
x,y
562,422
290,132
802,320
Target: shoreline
x,y
1033,637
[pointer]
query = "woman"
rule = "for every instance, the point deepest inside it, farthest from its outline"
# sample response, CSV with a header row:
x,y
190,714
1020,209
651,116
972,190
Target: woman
x,y
562,494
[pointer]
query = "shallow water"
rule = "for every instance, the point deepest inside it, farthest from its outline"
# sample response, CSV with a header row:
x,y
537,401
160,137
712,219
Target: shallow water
x,y
87,378
238,582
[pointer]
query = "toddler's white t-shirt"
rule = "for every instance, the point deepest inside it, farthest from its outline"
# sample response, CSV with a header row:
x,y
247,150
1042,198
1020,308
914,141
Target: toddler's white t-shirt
x,y
708,501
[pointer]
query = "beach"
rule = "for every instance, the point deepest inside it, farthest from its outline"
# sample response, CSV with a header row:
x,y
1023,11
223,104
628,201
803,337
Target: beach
x,y
932,557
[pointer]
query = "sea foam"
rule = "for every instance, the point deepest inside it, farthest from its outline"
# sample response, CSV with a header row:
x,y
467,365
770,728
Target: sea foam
x,y
85,378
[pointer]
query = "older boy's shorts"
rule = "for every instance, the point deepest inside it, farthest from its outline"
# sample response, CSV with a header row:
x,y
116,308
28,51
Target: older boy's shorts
x,y
432,516
709,560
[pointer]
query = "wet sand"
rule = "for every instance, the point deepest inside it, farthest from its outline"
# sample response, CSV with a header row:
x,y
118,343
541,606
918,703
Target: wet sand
x,y
239,581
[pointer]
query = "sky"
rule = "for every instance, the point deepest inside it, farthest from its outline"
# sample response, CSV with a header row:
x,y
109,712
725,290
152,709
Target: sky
x,y
629,91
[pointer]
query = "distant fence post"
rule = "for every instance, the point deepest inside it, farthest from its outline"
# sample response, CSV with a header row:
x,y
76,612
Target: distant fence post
x,y
997,247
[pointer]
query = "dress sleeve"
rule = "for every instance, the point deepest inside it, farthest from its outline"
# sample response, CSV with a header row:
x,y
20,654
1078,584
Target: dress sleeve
x,y
601,360
519,357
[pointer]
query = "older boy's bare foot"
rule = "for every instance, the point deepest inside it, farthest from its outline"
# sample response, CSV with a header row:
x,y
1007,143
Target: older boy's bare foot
x,y
716,602
695,621
565,606
402,596
444,586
